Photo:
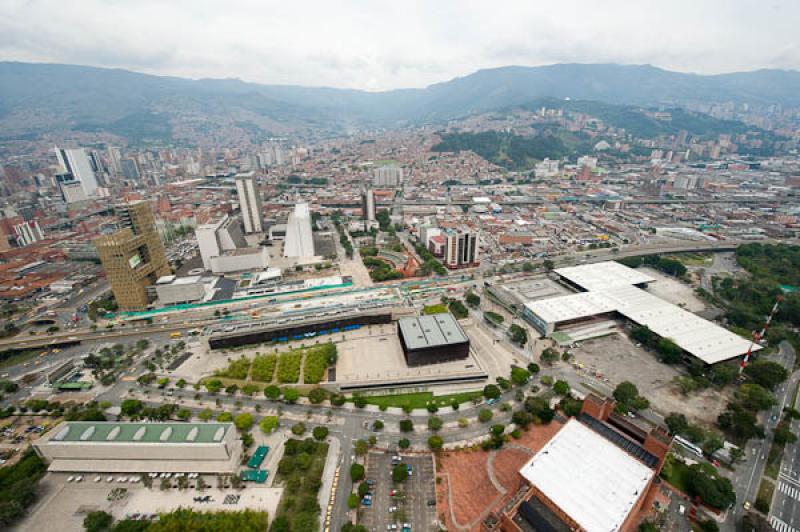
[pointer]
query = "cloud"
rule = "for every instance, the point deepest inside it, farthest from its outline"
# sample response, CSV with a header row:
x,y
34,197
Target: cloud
x,y
379,45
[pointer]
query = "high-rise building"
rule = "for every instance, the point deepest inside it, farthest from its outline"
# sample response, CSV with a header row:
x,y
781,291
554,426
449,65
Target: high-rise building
x,y
215,238
71,190
76,162
115,160
299,238
368,205
250,203
130,169
28,232
461,248
387,176
133,257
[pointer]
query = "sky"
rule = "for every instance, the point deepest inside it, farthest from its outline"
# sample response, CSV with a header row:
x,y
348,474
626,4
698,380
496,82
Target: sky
x,y
380,45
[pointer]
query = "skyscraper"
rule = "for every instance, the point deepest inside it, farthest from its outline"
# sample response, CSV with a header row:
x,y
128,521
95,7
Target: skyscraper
x,y
250,203
76,162
461,248
368,205
133,257
388,176
115,160
299,238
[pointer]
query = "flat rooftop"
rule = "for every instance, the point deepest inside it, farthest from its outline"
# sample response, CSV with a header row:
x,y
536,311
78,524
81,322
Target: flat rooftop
x,y
592,480
431,331
603,275
120,432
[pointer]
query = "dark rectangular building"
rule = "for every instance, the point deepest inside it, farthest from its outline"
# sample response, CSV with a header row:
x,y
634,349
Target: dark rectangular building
x,y
432,339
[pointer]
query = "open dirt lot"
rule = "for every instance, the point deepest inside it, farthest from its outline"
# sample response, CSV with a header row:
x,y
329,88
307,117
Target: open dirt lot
x,y
674,291
618,359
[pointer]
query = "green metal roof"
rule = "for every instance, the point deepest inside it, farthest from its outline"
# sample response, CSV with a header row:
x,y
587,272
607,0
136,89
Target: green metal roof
x,y
121,432
431,331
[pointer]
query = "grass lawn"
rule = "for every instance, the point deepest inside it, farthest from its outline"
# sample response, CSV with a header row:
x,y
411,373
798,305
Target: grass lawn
x,y
19,358
420,399
434,309
764,497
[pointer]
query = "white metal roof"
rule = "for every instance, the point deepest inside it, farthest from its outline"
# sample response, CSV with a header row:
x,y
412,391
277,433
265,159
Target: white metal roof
x,y
697,336
602,275
592,480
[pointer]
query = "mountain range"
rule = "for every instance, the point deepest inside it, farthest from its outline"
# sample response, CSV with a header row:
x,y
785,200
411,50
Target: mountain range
x,y
37,98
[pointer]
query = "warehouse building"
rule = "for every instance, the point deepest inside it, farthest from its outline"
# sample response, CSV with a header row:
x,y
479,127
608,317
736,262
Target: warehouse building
x,y
122,447
432,339
612,291
594,475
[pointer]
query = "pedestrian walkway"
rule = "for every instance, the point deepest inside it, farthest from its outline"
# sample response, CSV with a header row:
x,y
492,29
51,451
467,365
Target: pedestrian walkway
x,y
780,526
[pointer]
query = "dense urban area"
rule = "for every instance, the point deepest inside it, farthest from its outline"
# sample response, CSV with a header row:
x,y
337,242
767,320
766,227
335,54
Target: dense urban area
x,y
553,316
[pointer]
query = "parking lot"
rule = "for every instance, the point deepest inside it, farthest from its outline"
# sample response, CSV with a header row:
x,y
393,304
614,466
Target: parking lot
x,y
394,505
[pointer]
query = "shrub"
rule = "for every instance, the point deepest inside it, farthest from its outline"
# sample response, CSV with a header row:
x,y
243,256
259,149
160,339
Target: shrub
x,y
289,367
272,392
434,423
237,369
435,442
317,363
298,429
243,421
485,415
404,443
357,472
264,368
317,395
268,424
320,433
406,425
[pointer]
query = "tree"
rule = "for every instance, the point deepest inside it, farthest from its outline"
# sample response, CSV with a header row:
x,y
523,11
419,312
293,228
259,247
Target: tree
x,y
549,355
359,401
784,434
435,442
361,447
485,415
268,424
377,425
338,399
298,429
670,351
643,335
491,391
404,443
131,408
472,299
521,418
540,409
213,385
434,423
766,373
561,387
272,392
571,407
755,397
399,473
317,395
352,503
715,491
357,472
625,392
97,521
184,414
363,489
520,376
519,335
290,395
406,425
676,423
548,264
320,433
243,421
533,368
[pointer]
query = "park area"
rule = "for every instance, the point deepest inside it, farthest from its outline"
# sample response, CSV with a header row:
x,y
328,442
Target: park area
x,y
303,365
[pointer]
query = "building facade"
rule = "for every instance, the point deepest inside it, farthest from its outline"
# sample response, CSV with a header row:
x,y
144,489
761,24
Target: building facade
x,y
299,240
461,248
368,205
28,232
388,176
250,203
133,257
76,162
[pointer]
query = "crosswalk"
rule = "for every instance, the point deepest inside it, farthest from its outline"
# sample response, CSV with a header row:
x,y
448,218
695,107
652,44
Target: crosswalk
x,y
780,526
789,490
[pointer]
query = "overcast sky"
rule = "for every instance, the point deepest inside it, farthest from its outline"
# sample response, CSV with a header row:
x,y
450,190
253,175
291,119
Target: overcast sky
x,y
378,45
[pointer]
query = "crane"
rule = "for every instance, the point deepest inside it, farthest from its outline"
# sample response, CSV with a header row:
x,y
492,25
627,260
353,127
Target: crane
x,y
757,336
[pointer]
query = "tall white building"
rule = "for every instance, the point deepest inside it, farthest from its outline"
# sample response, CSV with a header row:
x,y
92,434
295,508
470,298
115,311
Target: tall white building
x,y
546,168
387,176
250,203
215,238
76,162
368,205
115,160
28,232
299,238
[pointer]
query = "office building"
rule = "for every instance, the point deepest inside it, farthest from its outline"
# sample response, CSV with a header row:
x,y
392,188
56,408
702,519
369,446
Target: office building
x,y
250,203
546,168
133,257
387,176
432,339
28,232
71,190
216,238
368,205
461,248
77,163
115,160
130,169
128,447
172,290
299,240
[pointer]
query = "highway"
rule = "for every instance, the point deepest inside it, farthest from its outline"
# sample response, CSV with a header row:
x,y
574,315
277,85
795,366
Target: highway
x,y
785,508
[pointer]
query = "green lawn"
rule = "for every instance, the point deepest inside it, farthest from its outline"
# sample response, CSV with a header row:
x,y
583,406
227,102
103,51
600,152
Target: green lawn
x,y
434,309
764,497
420,399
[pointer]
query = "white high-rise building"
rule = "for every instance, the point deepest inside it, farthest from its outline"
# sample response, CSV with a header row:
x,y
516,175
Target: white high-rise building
x,y
76,162
388,176
250,203
368,205
28,232
214,239
299,238
115,160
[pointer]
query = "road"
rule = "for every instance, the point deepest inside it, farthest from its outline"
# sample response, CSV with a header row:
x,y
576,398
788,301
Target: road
x,y
747,477
785,507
